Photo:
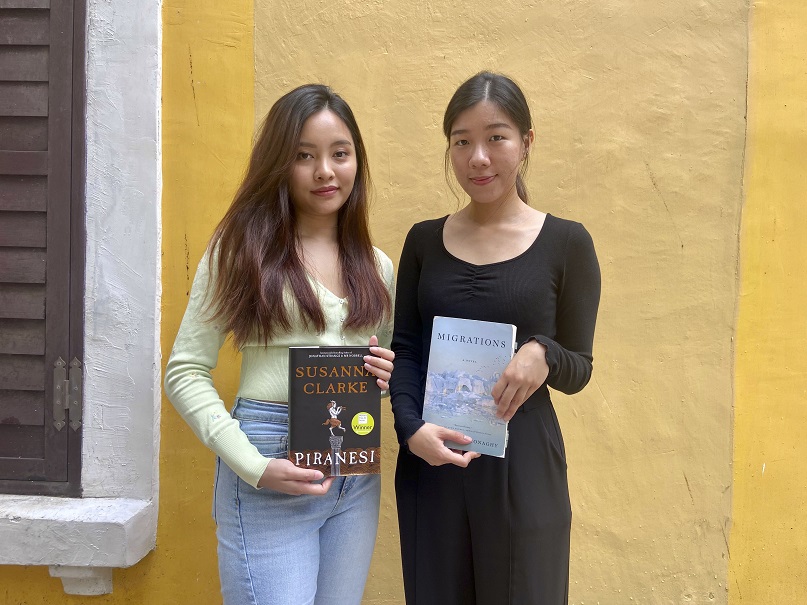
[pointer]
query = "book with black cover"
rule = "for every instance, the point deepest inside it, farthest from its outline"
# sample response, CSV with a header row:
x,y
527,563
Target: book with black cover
x,y
466,359
334,411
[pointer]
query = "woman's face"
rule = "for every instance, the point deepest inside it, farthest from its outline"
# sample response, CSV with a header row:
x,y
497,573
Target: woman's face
x,y
325,167
486,150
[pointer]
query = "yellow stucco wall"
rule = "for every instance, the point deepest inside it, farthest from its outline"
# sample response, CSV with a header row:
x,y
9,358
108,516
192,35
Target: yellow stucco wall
x,y
769,537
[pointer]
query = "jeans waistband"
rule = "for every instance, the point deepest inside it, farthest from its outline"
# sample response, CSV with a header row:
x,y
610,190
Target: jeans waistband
x,y
265,411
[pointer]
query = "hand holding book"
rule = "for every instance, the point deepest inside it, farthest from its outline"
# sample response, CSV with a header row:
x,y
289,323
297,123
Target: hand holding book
x,y
379,363
524,375
283,476
428,442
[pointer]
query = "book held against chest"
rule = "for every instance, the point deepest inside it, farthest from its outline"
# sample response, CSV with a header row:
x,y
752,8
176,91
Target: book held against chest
x,y
466,359
334,411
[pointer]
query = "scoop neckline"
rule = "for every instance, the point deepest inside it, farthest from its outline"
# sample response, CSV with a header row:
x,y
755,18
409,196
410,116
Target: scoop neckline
x,y
499,262
327,290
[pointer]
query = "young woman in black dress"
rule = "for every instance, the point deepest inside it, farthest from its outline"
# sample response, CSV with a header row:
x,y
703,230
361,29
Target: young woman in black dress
x,y
478,529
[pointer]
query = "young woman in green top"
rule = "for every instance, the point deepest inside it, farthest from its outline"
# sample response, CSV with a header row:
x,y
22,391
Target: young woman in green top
x,y
290,264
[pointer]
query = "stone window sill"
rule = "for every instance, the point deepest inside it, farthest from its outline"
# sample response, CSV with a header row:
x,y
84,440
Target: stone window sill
x,y
80,539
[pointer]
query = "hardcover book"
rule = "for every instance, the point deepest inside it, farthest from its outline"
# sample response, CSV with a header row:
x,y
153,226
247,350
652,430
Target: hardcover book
x,y
334,411
466,359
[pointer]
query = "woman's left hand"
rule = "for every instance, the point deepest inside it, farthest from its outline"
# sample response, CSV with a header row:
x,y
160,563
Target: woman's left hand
x,y
525,373
379,363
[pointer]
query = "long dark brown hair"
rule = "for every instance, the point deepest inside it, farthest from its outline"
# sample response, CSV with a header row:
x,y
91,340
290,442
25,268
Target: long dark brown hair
x,y
506,95
255,248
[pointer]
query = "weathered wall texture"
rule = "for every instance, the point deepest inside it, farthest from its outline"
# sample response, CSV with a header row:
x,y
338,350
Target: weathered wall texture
x,y
768,537
639,112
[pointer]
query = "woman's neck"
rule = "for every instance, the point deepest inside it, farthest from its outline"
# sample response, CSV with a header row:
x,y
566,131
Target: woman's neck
x,y
320,229
511,210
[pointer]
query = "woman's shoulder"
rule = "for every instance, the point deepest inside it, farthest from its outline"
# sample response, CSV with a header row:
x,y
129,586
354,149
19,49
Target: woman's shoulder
x,y
432,224
568,241
384,261
428,229
385,267
209,260
566,229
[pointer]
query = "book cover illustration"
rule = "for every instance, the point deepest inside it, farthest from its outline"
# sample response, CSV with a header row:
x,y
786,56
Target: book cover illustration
x,y
334,411
466,359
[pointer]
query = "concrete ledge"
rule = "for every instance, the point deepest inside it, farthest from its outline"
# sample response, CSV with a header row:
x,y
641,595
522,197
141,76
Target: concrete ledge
x,y
88,581
74,532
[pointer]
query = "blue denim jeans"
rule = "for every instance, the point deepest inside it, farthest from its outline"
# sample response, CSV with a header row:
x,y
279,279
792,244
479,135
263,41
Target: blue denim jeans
x,y
277,549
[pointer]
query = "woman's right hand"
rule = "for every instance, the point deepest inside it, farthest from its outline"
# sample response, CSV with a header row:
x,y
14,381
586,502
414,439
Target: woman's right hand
x,y
428,442
283,476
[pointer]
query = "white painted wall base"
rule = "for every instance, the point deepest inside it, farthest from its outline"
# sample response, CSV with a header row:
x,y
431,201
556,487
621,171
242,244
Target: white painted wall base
x,y
89,581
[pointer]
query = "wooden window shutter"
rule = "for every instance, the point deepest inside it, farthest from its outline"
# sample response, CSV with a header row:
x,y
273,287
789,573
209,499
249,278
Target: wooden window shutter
x,y
41,244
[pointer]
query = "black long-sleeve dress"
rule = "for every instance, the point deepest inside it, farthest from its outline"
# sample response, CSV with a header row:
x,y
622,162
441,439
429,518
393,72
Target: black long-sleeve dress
x,y
496,532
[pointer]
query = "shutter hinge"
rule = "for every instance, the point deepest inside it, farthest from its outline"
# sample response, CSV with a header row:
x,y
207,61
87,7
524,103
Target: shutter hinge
x,y
67,393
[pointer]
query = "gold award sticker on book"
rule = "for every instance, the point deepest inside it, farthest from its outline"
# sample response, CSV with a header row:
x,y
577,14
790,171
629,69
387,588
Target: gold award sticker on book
x,y
362,423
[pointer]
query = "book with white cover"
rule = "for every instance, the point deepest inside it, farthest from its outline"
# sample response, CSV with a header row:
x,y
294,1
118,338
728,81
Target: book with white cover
x,y
466,359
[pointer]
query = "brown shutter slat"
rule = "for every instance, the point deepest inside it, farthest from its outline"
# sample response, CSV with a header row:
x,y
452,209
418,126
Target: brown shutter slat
x,y
23,229
22,301
24,3
24,27
22,337
24,63
24,162
25,471
24,98
22,266
21,441
23,192
42,58
23,133
22,407
22,373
